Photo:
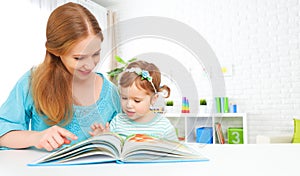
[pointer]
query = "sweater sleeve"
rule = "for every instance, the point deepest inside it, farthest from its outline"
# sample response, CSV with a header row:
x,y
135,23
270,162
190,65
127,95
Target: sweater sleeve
x,y
15,111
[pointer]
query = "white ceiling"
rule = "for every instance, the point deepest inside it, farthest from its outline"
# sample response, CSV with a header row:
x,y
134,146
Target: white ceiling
x,y
107,3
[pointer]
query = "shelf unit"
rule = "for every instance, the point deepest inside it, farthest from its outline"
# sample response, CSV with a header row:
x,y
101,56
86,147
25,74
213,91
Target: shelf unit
x,y
186,124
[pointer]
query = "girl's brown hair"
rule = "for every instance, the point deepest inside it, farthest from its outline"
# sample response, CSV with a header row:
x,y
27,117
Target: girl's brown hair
x,y
51,82
129,78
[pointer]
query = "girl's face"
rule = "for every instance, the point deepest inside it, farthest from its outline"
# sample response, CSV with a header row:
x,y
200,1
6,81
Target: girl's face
x,y
83,57
136,103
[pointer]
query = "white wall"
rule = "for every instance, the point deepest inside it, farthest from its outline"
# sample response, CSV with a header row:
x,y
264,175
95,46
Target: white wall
x,y
260,38
22,36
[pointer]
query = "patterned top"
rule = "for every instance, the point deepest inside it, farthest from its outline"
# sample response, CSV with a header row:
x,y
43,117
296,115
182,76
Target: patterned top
x,y
159,127
18,111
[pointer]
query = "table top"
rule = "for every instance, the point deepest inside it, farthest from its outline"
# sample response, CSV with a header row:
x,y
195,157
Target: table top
x,y
228,159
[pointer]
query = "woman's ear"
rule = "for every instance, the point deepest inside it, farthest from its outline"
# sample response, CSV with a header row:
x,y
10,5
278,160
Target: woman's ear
x,y
54,54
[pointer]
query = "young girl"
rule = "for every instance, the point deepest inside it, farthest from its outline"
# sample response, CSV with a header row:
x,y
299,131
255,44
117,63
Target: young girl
x,y
57,102
139,87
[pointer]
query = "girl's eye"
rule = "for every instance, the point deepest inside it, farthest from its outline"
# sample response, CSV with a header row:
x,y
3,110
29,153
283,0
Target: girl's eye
x,y
137,101
124,98
78,58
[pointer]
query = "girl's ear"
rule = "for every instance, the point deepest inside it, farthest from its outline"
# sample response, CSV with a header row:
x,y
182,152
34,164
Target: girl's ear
x,y
154,98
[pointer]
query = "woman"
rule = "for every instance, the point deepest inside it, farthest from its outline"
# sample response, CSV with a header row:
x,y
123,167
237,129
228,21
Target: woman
x,y
55,103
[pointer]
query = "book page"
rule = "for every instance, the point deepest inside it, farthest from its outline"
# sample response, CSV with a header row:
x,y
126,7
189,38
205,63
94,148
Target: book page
x,y
108,144
141,148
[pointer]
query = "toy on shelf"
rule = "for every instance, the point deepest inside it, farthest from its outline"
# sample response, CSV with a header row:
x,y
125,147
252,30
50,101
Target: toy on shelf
x,y
185,105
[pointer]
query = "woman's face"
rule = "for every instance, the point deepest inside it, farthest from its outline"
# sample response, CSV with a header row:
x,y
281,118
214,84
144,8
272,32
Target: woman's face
x,y
83,57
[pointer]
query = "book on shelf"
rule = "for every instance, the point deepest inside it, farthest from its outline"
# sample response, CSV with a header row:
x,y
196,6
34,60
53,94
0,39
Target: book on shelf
x,y
111,147
222,104
220,134
218,104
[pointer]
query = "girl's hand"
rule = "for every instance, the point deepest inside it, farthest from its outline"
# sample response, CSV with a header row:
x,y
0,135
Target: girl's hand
x,y
97,128
53,138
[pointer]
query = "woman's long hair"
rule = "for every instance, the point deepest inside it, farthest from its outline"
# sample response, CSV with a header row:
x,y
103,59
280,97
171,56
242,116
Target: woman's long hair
x,y
51,82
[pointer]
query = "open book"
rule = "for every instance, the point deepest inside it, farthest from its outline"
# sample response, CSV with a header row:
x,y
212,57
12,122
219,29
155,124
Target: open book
x,y
110,147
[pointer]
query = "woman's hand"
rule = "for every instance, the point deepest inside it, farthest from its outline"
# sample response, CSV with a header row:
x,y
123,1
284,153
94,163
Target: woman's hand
x,y
97,128
53,138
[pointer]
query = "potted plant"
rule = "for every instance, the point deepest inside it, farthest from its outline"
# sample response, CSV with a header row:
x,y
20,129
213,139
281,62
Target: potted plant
x,y
203,106
203,102
113,74
169,103
169,106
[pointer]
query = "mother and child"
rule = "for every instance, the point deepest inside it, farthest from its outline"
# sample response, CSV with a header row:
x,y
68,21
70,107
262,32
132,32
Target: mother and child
x,y
63,101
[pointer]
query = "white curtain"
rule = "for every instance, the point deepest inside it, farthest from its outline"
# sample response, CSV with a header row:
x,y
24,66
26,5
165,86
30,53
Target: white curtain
x,y
111,34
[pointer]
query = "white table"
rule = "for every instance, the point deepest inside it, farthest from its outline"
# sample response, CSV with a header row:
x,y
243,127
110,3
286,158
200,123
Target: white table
x,y
248,159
